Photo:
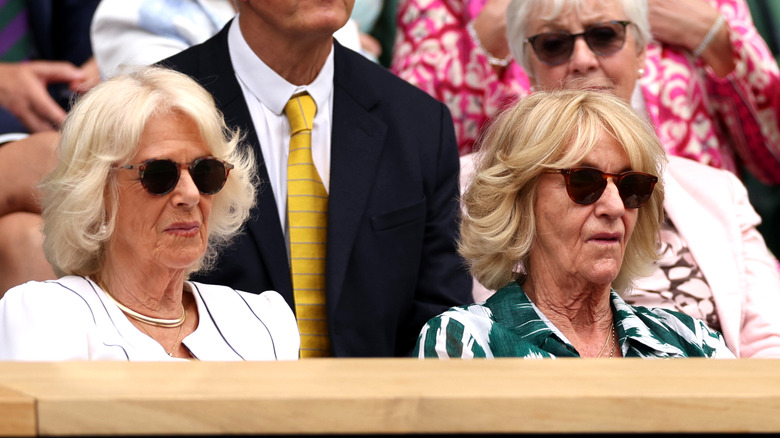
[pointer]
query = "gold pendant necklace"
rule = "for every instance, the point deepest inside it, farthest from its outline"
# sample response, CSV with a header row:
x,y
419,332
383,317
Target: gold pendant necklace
x,y
175,341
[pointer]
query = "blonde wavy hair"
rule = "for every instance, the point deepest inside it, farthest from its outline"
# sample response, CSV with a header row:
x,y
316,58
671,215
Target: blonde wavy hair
x,y
551,130
104,128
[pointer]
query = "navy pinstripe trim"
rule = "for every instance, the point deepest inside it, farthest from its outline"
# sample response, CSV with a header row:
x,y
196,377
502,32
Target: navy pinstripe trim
x,y
94,320
273,344
206,306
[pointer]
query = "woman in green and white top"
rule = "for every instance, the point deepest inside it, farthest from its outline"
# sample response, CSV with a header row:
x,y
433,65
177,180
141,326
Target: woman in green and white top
x,y
562,215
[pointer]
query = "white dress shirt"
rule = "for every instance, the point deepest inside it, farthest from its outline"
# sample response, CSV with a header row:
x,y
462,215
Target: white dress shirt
x,y
266,93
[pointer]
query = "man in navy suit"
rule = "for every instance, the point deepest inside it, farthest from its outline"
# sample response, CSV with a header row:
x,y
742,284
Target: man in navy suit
x,y
385,152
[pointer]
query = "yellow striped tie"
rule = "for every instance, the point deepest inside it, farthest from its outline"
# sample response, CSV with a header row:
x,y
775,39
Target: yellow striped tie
x,y
307,213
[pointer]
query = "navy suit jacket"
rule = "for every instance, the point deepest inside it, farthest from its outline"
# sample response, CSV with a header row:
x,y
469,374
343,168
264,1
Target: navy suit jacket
x,y
60,29
393,208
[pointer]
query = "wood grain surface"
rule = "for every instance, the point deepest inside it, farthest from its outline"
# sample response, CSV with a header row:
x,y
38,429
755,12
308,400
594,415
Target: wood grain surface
x,y
328,396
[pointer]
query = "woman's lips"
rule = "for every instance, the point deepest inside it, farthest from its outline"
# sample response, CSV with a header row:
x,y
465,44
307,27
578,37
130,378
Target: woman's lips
x,y
606,237
185,229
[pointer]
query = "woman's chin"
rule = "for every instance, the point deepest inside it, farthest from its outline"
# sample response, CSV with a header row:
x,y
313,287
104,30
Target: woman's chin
x,y
182,259
604,274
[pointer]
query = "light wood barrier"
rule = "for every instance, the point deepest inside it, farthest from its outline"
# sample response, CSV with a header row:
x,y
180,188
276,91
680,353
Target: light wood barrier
x,y
328,396
17,413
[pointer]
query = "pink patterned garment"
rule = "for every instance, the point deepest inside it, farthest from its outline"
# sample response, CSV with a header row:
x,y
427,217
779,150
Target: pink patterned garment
x,y
435,52
678,283
721,122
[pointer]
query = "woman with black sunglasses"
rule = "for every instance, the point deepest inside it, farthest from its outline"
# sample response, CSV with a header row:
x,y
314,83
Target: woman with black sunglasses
x,y
561,216
707,67
149,186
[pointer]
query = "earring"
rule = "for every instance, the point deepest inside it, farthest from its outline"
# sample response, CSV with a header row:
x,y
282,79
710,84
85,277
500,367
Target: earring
x,y
641,72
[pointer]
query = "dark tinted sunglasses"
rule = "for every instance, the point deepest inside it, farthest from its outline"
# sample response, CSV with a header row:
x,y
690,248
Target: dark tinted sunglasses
x,y
555,48
585,185
160,176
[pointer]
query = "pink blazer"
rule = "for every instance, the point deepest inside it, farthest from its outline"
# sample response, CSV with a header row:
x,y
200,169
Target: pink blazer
x,y
719,225
711,211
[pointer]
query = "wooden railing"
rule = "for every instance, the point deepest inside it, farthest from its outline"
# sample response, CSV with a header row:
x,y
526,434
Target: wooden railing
x,y
390,396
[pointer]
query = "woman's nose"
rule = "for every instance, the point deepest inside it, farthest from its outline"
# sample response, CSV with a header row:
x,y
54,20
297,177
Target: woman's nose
x,y
186,192
582,57
610,202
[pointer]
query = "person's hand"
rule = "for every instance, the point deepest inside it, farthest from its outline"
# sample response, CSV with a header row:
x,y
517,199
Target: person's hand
x,y
685,23
91,77
23,91
681,23
490,26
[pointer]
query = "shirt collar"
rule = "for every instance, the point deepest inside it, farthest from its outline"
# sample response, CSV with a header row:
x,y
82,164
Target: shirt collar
x,y
512,308
265,84
634,332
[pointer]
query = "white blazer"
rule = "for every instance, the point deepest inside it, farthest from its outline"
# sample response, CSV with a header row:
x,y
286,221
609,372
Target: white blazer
x,y
72,318
712,213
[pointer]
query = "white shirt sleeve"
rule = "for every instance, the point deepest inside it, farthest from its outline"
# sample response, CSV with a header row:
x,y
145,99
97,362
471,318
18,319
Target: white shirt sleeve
x,y
128,33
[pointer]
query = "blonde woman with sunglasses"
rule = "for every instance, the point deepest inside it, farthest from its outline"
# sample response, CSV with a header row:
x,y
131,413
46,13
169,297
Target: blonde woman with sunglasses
x,y
149,186
561,216
714,264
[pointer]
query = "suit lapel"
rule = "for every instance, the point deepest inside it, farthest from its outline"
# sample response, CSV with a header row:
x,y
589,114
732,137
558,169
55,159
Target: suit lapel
x,y
356,147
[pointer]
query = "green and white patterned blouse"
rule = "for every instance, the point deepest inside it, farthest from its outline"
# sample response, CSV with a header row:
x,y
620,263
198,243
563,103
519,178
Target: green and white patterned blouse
x,y
508,324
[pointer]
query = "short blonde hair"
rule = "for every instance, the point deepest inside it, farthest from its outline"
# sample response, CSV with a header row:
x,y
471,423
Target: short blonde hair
x,y
104,128
520,12
551,130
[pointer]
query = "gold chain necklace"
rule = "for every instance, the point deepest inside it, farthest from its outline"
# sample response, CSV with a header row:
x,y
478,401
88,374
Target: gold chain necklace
x,y
159,322
611,337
